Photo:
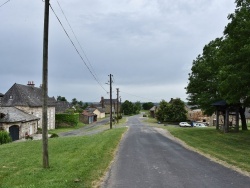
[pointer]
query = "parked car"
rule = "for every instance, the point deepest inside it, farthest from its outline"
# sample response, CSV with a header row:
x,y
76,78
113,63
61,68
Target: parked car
x,y
199,124
184,124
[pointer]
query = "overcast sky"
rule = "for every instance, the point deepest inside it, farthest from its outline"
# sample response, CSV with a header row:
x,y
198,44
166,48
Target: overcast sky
x,y
147,45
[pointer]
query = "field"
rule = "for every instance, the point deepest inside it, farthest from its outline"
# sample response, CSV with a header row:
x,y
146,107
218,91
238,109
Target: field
x,y
74,161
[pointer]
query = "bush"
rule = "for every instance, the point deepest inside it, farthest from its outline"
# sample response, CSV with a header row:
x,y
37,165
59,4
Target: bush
x,y
4,137
54,135
145,115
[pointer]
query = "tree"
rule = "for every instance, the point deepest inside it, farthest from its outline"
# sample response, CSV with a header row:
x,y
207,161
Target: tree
x,y
60,98
137,107
203,83
74,101
174,111
128,108
162,111
147,105
223,68
235,74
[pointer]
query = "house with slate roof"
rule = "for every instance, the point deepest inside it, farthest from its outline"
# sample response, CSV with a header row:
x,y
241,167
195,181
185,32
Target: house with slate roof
x,y
105,103
28,99
17,123
62,106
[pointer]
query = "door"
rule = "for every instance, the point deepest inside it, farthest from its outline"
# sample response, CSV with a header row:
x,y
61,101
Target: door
x,y
14,132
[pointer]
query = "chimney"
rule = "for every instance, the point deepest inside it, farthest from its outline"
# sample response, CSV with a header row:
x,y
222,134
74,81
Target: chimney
x,y
102,102
1,96
31,83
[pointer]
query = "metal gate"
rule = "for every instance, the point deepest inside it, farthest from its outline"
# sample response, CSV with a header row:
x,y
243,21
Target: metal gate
x,y
14,132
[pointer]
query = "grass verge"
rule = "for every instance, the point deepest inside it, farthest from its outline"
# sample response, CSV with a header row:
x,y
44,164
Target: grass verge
x,y
232,148
74,161
66,129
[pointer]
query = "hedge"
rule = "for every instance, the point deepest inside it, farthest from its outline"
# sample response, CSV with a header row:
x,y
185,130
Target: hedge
x,y
67,119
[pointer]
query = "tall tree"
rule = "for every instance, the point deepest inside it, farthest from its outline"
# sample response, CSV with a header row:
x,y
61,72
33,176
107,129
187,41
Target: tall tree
x,y
203,83
234,75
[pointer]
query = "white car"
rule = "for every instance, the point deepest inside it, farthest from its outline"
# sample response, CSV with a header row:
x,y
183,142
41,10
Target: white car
x,y
199,125
184,124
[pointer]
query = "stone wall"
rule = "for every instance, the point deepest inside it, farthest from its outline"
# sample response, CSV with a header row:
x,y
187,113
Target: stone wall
x,y
37,111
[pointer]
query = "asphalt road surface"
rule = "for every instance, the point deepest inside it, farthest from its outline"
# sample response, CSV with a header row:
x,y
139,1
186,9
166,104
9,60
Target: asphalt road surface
x,y
147,159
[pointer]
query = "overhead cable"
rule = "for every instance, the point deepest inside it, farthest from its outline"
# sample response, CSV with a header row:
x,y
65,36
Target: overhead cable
x,y
77,50
4,3
78,41
137,96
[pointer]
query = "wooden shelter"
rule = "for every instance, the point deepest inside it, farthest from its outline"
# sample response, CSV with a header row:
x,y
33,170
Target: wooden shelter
x,y
227,116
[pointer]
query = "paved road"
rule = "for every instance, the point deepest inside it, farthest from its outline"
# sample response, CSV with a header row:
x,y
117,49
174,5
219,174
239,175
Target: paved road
x,y
147,159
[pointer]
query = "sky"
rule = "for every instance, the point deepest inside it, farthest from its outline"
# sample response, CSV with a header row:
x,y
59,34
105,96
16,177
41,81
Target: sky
x,y
147,45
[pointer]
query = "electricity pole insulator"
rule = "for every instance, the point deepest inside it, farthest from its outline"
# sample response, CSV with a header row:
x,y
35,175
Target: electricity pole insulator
x,y
45,86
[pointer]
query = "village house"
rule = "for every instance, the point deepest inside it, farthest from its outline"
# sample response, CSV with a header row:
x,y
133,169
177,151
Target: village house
x,y
18,123
105,104
88,117
28,99
99,112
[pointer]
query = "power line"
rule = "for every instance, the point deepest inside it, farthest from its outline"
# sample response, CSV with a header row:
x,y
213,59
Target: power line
x,y
77,49
137,96
4,3
77,40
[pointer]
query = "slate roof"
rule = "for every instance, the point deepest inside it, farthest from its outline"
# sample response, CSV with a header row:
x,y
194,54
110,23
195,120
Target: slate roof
x,y
24,95
101,109
12,114
87,113
107,101
62,106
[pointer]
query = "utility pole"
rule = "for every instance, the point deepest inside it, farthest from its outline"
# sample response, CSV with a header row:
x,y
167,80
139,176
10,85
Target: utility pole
x,y
117,100
110,83
120,106
45,86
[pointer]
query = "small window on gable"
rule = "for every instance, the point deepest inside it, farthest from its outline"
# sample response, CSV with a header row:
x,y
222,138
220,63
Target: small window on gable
x,y
11,97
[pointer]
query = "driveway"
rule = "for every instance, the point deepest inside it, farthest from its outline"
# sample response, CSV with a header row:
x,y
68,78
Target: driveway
x,y
147,159
93,128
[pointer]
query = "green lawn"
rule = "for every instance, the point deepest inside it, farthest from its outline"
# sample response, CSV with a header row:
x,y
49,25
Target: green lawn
x,y
74,161
66,129
234,148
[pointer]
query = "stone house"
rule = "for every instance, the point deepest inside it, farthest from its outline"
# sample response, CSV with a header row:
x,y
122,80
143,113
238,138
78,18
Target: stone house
x,y
99,112
88,117
153,111
17,123
105,104
28,98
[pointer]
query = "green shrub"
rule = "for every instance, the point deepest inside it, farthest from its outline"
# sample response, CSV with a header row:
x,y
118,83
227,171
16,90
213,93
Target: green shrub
x,y
4,137
69,119
54,135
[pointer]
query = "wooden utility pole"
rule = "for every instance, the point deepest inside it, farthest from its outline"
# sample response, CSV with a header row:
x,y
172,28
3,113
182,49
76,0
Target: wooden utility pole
x,y
110,83
45,86
117,100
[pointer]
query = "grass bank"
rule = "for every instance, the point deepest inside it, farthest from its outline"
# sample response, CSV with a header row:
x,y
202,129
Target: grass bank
x,y
67,129
232,148
74,161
